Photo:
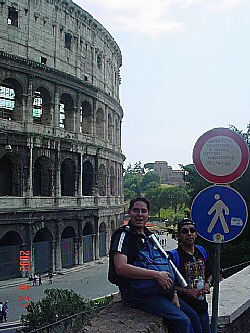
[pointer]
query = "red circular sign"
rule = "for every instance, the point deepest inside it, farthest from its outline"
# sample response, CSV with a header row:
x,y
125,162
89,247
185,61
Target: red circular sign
x,y
221,155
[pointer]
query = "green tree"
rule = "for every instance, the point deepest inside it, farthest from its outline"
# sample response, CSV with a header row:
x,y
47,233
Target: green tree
x,y
148,178
174,197
194,182
132,185
152,194
149,166
132,181
57,304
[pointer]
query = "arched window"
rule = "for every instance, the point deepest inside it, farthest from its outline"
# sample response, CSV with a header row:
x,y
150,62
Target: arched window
x,y
7,101
102,180
87,179
68,178
110,128
42,106
11,175
62,114
37,107
66,109
100,123
112,181
42,177
85,118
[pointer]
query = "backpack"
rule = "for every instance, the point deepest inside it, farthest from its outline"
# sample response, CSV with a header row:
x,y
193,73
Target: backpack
x,y
151,258
113,277
176,257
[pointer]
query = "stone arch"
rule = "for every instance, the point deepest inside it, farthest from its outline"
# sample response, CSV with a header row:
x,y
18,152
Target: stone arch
x,y
42,251
88,242
119,180
88,229
68,247
112,180
11,238
117,132
68,177
11,175
87,178
42,177
100,123
102,240
66,110
86,118
42,106
11,93
102,180
110,128
10,245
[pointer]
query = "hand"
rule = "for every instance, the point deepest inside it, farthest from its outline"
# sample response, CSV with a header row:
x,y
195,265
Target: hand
x,y
164,279
206,289
194,293
175,300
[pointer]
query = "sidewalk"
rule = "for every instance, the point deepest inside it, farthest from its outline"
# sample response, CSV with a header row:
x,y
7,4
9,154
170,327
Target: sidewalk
x,y
21,280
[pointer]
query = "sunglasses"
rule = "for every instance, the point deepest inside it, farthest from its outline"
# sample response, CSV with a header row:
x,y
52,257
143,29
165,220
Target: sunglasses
x,y
186,231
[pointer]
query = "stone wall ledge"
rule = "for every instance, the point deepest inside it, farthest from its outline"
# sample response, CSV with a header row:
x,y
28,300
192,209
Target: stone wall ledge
x,y
234,297
233,315
117,318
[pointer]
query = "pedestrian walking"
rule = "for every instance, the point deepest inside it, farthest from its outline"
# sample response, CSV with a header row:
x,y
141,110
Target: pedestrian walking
x,y
4,314
6,309
50,277
35,280
40,280
30,278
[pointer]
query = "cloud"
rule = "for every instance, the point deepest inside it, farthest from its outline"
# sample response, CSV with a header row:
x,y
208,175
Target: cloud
x,y
153,18
230,4
145,17
189,3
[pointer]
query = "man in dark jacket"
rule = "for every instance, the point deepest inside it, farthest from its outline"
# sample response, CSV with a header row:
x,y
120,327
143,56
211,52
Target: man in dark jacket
x,y
130,245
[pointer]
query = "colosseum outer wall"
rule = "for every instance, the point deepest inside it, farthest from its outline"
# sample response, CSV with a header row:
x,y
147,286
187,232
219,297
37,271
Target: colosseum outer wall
x,y
64,37
61,163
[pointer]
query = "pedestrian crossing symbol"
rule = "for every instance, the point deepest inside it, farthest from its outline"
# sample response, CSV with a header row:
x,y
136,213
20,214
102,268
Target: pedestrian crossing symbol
x,y
220,213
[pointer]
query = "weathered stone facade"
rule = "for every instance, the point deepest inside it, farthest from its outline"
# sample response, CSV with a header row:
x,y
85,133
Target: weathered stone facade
x,y
61,191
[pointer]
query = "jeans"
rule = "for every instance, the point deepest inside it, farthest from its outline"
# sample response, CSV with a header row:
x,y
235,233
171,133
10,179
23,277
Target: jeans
x,y
160,306
204,319
193,316
200,323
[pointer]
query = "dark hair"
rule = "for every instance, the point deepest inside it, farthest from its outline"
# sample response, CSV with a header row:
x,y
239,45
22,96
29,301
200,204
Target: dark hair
x,y
133,201
185,221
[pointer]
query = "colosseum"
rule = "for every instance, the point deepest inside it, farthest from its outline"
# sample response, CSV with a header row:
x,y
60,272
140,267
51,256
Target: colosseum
x,y
61,161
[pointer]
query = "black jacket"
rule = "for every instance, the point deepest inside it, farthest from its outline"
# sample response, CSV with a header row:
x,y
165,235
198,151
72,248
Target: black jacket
x,y
127,241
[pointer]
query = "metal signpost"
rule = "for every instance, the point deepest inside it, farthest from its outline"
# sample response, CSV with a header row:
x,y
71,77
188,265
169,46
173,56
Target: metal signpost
x,y
220,156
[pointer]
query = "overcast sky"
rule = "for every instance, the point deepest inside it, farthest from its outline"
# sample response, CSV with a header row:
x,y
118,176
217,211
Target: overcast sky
x,y
186,70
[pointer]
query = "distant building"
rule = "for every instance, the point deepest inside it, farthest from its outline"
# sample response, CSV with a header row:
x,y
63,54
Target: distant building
x,y
167,174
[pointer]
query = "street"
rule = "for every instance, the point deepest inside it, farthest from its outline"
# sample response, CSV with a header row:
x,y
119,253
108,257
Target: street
x,y
90,282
